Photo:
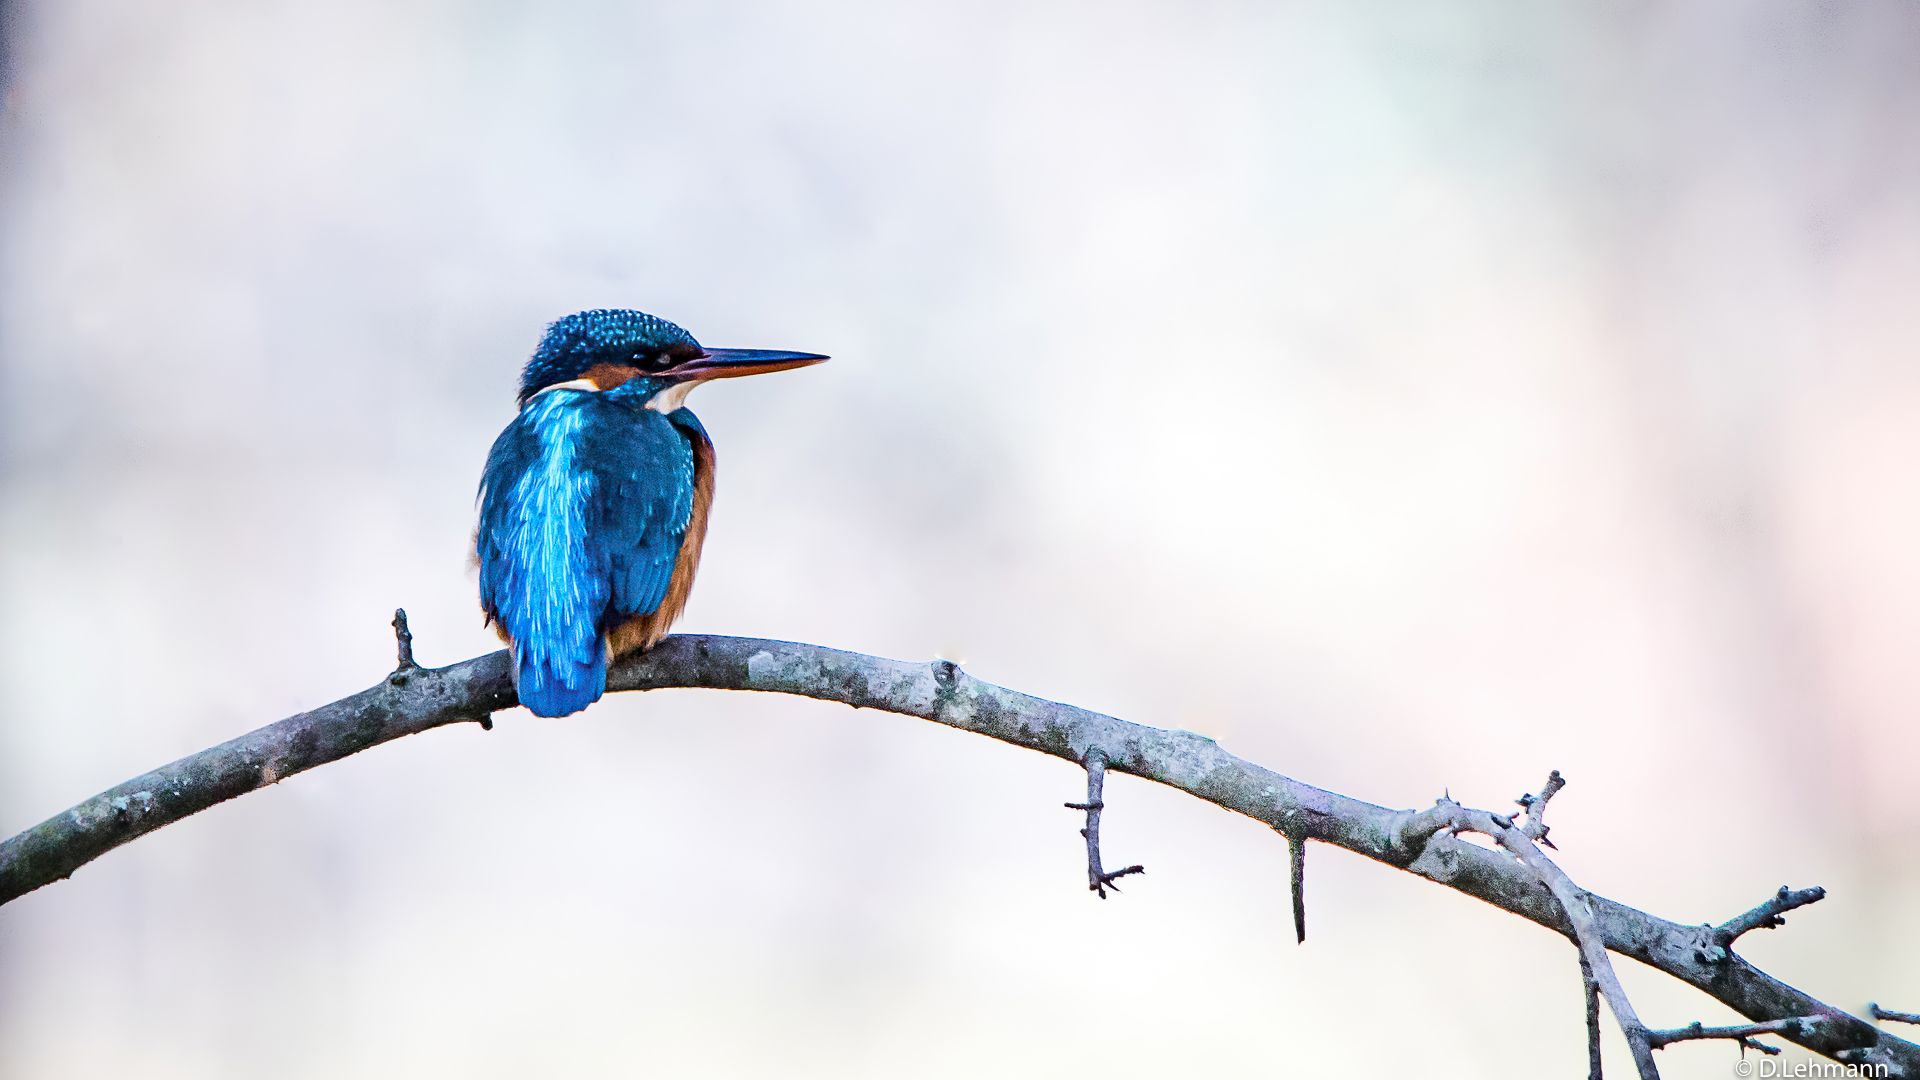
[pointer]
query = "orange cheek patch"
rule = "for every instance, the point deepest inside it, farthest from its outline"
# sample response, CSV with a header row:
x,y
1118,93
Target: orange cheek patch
x,y
608,376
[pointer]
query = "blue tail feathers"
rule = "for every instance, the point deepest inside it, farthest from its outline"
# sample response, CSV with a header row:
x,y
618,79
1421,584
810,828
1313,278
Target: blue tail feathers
x,y
555,686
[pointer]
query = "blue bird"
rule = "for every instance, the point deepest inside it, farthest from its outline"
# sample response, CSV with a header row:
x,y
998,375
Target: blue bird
x,y
593,505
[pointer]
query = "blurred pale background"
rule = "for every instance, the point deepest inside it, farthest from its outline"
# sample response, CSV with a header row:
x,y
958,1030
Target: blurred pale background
x,y
1410,395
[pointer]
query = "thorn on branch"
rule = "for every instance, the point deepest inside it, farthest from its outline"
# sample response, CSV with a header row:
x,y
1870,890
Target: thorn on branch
x,y
1099,880
1793,1027
1879,1013
1297,885
1296,878
1767,915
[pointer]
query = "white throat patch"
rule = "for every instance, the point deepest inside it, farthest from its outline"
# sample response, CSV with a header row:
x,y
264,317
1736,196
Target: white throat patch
x,y
672,397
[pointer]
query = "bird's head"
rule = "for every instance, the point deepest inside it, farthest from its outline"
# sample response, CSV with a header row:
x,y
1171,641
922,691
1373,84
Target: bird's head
x,y
607,348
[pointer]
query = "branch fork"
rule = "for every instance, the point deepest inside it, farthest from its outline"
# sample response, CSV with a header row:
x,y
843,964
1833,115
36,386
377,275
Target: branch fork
x,y
1522,841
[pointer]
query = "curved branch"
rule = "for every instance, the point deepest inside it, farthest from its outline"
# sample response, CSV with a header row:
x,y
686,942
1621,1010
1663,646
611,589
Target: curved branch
x,y
416,699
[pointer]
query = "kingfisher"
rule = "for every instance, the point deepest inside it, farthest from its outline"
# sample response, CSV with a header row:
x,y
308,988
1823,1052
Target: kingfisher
x,y
593,504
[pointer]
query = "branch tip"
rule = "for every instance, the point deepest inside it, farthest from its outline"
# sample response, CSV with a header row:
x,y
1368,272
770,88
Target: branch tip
x,y
403,647
1766,915
1878,1013
1536,808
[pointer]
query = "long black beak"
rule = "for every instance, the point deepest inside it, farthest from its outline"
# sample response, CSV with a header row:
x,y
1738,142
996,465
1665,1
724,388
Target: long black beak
x,y
732,363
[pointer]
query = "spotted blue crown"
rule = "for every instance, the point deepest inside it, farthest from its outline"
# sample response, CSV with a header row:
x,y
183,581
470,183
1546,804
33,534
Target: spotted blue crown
x,y
604,336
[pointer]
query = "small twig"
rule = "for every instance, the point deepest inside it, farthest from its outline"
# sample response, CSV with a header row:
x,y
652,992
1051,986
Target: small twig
x,y
1879,1013
1098,880
405,668
403,644
1767,915
1591,991
1536,808
1743,1034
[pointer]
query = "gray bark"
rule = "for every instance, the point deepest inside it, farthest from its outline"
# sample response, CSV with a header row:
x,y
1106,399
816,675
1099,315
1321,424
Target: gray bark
x,y
415,699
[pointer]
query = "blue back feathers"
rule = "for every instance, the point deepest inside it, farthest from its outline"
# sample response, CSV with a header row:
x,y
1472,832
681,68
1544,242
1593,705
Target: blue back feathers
x,y
584,503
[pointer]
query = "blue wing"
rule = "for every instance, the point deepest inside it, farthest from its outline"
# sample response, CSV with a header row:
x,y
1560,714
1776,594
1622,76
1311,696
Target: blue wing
x,y
650,483
583,506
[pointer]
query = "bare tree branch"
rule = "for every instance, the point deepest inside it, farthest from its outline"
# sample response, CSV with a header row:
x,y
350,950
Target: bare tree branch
x,y
1879,1013
428,698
